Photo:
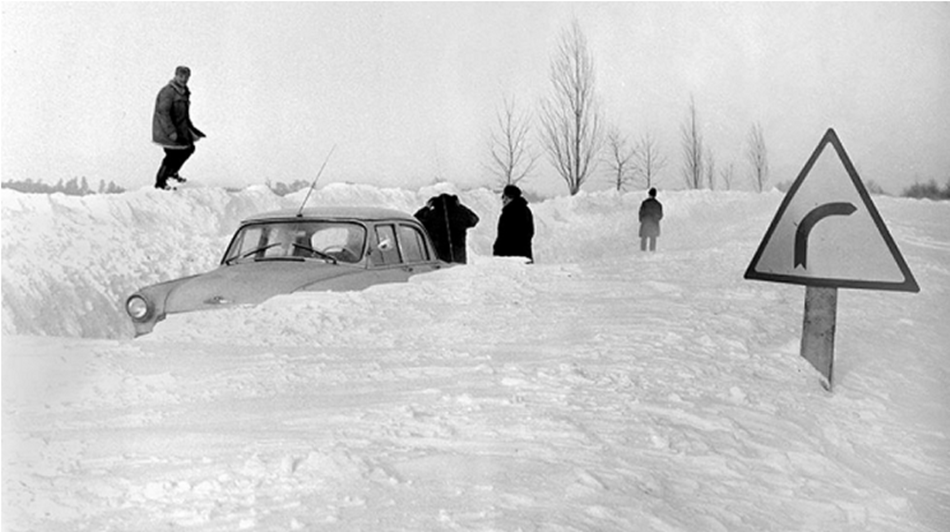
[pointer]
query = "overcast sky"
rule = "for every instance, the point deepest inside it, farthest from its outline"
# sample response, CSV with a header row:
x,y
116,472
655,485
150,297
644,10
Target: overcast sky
x,y
408,92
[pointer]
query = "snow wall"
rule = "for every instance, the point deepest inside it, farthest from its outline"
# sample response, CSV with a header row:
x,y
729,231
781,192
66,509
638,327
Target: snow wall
x,y
69,262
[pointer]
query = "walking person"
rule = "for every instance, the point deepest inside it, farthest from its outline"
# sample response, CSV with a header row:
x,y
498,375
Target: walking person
x,y
651,212
447,221
172,127
515,226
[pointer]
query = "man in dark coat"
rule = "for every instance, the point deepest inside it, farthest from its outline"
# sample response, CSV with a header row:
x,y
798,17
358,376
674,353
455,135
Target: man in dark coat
x,y
651,212
515,226
447,221
172,127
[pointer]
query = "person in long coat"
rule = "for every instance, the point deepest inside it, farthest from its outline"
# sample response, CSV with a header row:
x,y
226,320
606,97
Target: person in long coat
x,y
651,212
515,226
447,221
172,128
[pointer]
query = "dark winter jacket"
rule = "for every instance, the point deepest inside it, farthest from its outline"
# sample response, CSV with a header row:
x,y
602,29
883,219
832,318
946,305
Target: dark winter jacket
x,y
172,116
515,230
447,222
651,212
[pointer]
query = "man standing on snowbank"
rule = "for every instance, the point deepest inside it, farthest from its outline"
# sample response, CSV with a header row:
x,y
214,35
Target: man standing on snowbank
x,y
651,212
172,127
515,226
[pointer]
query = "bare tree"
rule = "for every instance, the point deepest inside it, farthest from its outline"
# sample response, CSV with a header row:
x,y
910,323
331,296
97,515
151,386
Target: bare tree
x,y
726,175
758,157
438,176
709,165
620,159
511,156
647,160
570,119
692,144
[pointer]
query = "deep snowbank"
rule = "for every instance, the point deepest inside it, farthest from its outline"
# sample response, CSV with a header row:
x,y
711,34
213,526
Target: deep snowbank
x,y
599,389
69,262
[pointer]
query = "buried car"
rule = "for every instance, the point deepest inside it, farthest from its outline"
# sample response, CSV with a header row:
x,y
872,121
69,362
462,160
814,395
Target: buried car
x,y
280,252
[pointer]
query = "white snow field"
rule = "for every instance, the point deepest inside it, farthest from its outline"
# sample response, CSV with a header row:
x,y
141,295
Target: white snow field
x,y
600,389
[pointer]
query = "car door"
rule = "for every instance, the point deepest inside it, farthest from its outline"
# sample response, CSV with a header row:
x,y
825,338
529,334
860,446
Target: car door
x,y
398,251
386,263
414,249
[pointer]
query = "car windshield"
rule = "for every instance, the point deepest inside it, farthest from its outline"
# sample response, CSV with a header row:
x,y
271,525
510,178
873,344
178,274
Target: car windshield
x,y
321,240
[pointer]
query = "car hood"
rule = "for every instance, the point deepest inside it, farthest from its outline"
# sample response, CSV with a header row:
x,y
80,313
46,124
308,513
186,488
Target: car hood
x,y
249,283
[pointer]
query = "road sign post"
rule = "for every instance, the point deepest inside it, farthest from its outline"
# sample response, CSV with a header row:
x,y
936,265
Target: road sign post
x,y
818,330
826,235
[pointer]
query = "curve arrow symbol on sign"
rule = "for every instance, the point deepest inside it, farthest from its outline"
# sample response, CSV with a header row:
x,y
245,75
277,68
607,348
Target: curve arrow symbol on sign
x,y
809,221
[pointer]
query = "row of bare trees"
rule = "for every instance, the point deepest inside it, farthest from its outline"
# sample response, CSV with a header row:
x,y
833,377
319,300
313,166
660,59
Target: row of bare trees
x,y
632,165
699,164
575,138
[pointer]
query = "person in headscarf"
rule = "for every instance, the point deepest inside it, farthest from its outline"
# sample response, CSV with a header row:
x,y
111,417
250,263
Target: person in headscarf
x,y
447,221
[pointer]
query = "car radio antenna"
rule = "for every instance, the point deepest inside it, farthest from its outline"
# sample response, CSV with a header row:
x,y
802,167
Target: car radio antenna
x,y
300,211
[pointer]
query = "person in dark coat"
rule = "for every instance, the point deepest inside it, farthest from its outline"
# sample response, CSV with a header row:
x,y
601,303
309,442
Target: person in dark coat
x,y
515,226
172,128
447,221
651,212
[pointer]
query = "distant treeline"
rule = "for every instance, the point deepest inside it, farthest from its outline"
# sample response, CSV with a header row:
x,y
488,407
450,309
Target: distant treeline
x,y
79,186
74,187
928,190
872,187
918,190
282,189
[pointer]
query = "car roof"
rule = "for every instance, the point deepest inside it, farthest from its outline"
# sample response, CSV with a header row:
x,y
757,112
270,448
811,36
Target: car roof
x,y
332,213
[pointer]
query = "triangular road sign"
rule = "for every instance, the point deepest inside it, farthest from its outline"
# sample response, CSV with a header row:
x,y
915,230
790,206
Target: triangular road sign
x,y
827,232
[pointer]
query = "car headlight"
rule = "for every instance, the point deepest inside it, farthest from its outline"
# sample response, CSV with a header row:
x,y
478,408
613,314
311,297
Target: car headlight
x,y
137,307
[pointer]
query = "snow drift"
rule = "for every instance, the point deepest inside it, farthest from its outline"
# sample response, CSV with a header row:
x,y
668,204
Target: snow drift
x,y
69,262
599,389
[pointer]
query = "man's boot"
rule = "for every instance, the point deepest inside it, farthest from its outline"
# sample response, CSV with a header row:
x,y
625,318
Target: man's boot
x,y
161,180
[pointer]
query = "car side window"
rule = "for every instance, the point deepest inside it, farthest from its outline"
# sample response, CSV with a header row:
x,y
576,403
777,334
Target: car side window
x,y
412,244
387,252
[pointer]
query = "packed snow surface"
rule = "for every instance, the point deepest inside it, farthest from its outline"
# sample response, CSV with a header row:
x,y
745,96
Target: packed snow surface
x,y
600,388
